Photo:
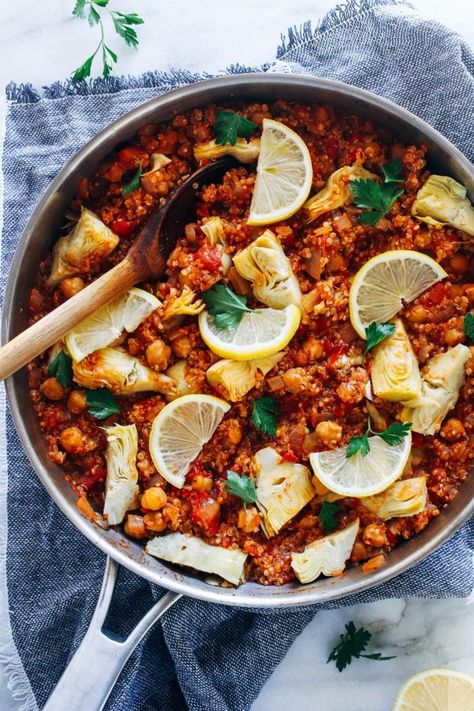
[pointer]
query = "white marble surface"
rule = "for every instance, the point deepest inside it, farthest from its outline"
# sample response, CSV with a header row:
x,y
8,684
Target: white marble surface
x,y
41,42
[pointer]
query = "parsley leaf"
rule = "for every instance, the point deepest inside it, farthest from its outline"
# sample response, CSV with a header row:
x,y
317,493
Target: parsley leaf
x,y
395,433
351,645
101,403
78,10
392,435
327,516
61,368
264,414
356,444
376,332
378,197
469,325
230,125
122,22
225,306
134,183
241,486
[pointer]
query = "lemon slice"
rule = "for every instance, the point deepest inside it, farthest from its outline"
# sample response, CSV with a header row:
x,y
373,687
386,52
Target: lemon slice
x,y
260,333
106,325
179,432
284,175
360,476
388,281
436,690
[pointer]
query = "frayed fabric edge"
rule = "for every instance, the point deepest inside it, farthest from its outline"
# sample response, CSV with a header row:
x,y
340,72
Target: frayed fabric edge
x,y
164,81
296,36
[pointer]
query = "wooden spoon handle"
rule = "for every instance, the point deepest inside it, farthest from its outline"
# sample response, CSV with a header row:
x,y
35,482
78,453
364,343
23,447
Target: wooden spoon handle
x,y
50,329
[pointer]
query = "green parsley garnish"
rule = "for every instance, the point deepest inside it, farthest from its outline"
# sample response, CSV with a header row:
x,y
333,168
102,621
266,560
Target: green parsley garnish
x,y
392,435
376,332
327,516
378,197
469,325
225,306
230,125
134,183
61,368
242,486
101,403
264,414
351,645
123,25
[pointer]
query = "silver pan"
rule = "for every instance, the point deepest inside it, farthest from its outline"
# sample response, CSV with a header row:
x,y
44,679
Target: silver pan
x,y
106,654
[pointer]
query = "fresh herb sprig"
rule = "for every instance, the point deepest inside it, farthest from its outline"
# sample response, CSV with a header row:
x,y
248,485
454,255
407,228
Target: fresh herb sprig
x,y
242,486
376,332
225,306
469,325
378,197
134,183
101,403
392,435
123,25
327,516
265,414
229,126
351,646
61,368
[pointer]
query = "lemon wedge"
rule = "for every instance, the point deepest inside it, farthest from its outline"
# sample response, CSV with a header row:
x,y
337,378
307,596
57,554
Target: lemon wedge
x,y
436,690
284,175
260,333
106,325
387,282
359,476
179,432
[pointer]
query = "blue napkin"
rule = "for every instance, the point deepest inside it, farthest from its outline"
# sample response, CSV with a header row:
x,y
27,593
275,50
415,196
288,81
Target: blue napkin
x,y
200,656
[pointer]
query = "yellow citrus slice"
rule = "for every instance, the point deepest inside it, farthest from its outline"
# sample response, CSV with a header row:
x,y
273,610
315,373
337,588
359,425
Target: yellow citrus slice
x,y
360,476
179,432
106,325
260,333
284,175
387,282
436,690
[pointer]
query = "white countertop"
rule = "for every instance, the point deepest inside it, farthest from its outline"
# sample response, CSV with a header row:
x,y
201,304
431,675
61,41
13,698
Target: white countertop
x,y
42,42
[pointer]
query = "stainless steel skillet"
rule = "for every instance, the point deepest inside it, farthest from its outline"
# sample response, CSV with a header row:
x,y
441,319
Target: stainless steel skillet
x,y
102,653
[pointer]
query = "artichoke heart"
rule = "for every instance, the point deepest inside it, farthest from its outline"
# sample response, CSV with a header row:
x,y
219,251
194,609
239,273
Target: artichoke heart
x,y
444,201
403,498
395,374
121,488
283,489
243,151
325,556
194,553
213,228
266,265
82,250
233,378
183,385
120,372
441,383
337,191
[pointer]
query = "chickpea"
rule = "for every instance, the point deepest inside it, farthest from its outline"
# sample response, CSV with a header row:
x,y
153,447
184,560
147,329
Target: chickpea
x,y
201,482
453,336
171,514
153,499
295,380
163,188
374,535
313,347
52,389
453,429
234,433
248,520
328,432
71,286
181,346
158,354
134,526
417,314
154,521
353,391
72,440
469,292
459,263
76,402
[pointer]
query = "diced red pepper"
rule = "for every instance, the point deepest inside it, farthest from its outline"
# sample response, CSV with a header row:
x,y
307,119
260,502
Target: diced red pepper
x,y
289,457
124,228
132,155
333,351
202,209
209,257
417,439
435,295
205,511
89,482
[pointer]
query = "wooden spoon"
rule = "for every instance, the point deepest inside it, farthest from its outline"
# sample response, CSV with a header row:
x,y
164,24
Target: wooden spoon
x,y
146,259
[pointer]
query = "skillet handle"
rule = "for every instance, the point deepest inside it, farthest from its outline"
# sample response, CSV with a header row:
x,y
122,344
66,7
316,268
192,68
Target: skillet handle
x,y
91,674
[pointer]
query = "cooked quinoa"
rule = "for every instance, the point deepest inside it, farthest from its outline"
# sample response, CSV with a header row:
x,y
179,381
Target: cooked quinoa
x,y
319,383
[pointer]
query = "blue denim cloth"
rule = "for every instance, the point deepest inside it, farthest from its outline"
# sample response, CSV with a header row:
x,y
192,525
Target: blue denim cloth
x,y
200,656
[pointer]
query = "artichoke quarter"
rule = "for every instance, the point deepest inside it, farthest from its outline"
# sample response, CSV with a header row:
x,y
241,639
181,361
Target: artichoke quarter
x,y
325,556
403,498
395,374
442,201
